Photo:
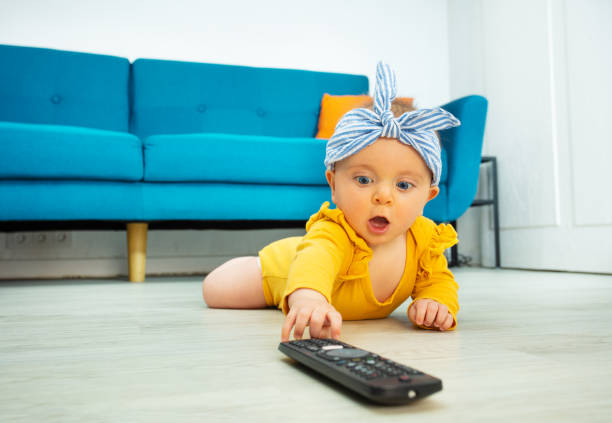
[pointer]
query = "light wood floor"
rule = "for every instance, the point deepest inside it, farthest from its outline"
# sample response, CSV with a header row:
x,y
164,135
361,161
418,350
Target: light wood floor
x,y
531,346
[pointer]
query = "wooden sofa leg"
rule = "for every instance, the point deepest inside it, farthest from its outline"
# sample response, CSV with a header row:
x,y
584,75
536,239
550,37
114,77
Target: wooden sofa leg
x,y
137,250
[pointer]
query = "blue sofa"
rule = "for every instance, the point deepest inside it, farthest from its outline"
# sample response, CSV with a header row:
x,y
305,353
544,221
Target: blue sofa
x,y
94,141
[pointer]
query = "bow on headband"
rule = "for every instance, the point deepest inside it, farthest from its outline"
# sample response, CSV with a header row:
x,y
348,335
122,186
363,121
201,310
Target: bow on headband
x,y
361,127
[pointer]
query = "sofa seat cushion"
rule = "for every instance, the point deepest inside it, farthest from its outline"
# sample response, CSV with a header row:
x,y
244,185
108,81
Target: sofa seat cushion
x,y
45,200
221,201
234,158
33,151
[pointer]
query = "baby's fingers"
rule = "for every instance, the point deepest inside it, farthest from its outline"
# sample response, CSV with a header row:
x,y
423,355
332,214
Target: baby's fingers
x,y
287,326
420,308
301,321
335,322
448,322
441,316
317,324
430,314
412,314
325,324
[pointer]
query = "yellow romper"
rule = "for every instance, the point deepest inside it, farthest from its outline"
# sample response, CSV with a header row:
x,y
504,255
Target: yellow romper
x,y
333,260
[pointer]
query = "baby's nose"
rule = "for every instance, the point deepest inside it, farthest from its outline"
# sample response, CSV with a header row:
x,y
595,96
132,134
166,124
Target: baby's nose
x,y
382,196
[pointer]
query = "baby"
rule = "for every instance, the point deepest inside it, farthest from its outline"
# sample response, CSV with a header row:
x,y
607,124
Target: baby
x,y
364,258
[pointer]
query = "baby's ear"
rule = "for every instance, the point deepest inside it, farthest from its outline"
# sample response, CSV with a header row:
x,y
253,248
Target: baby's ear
x,y
330,176
433,193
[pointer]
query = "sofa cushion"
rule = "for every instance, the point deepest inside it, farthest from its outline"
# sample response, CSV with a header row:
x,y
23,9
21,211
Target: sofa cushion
x,y
333,107
39,85
219,201
171,97
234,158
70,200
30,151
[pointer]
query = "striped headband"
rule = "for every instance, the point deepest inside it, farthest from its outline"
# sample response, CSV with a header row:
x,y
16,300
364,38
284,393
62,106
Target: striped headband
x,y
361,127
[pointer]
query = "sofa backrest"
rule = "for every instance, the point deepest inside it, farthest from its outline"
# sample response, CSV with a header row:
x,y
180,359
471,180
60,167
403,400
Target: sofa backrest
x,y
46,86
171,97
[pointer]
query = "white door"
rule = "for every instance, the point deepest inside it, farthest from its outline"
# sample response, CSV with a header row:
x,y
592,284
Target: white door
x,y
546,68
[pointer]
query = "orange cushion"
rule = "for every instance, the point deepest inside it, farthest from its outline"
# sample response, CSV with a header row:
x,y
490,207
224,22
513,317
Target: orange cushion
x,y
333,107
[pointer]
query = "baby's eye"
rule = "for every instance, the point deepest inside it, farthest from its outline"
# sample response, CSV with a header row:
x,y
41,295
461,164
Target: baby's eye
x,y
403,185
363,180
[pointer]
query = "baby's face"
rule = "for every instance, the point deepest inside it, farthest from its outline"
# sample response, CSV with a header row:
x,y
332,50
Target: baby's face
x,y
382,190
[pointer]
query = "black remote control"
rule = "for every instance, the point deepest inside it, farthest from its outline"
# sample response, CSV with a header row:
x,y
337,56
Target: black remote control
x,y
376,378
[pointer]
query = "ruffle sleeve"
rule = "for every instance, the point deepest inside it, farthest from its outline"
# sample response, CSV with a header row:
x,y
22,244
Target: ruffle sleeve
x,y
443,237
434,280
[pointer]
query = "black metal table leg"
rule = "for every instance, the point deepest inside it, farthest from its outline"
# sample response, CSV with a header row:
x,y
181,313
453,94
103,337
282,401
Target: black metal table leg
x,y
484,202
495,211
454,249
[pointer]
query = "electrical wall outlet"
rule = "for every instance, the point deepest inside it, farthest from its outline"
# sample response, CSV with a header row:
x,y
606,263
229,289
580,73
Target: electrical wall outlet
x,y
18,240
38,240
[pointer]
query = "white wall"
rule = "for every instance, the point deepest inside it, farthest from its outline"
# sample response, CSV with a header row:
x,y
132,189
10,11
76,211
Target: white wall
x,y
326,35
336,36
545,67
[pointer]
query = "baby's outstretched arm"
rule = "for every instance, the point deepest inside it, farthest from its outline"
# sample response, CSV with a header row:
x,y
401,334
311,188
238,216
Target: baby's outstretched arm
x,y
308,307
430,314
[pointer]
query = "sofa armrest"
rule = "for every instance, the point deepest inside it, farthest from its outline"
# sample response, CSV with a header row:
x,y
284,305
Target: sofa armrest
x,y
463,146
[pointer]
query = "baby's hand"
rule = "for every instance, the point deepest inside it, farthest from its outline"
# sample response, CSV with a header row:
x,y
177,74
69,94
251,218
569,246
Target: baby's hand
x,y
309,308
431,314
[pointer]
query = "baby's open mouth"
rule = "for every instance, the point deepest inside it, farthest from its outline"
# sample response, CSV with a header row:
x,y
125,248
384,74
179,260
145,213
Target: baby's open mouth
x,y
379,222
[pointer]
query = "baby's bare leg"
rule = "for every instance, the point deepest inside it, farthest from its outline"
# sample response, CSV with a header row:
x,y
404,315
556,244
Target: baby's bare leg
x,y
237,283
